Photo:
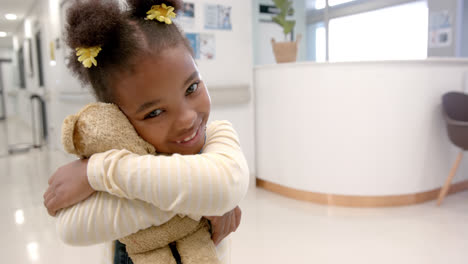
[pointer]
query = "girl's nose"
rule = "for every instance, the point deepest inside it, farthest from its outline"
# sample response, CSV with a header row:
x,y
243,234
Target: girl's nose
x,y
187,119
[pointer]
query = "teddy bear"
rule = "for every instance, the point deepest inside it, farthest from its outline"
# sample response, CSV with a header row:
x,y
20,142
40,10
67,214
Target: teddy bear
x,y
99,127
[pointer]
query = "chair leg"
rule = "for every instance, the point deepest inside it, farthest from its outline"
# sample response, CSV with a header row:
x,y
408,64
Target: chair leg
x,y
453,171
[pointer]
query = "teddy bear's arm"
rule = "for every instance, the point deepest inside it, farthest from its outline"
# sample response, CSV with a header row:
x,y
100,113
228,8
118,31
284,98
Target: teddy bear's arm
x,y
104,217
208,184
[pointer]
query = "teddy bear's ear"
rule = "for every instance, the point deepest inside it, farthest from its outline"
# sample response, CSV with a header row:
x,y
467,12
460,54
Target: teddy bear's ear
x,y
68,130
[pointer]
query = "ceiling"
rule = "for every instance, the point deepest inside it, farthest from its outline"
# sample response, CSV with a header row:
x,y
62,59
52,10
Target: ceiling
x,y
18,7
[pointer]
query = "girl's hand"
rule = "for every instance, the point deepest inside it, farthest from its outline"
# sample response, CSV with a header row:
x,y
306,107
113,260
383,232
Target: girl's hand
x,y
68,186
222,226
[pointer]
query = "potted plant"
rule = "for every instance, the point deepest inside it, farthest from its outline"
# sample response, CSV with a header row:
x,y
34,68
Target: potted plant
x,y
285,51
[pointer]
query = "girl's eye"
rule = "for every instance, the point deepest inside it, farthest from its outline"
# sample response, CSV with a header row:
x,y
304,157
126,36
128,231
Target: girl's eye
x,y
155,113
193,88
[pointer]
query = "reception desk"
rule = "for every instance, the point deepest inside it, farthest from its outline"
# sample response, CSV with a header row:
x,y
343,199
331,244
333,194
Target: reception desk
x,y
356,134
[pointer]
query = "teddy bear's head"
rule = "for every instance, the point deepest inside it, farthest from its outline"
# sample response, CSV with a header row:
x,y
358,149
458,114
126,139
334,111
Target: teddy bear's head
x,y
99,127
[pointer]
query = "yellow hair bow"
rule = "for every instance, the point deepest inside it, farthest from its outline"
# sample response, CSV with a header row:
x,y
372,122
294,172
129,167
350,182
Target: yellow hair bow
x,y
87,55
162,13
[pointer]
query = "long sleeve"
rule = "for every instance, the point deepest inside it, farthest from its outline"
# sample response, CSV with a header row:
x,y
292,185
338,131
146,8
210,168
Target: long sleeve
x,y
209,184
104,217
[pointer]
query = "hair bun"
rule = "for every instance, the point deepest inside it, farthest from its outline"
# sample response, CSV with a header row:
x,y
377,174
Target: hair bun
x,y
93,23
138,8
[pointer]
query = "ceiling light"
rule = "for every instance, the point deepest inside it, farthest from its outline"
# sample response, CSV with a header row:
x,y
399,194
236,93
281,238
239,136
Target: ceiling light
x,y
3,34
11,16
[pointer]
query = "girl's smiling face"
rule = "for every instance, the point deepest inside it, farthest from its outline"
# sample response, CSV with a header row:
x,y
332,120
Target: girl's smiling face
x,y
166,101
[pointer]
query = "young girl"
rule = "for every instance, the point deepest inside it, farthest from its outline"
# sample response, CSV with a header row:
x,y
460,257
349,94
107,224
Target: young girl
x,y
140,61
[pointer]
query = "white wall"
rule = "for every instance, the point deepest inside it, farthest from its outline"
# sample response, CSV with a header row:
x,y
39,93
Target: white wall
x,y
43,16
64,95
233,66
8,84
19,98
6,79
6,53
369,128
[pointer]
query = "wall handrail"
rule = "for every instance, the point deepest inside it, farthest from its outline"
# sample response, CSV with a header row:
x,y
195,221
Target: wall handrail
x,y
43,122
37,142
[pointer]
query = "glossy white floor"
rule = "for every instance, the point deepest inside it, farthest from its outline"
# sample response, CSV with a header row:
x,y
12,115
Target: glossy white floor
x,y
274,229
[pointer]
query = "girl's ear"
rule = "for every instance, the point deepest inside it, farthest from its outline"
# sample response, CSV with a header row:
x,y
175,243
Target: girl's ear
x,y
68,130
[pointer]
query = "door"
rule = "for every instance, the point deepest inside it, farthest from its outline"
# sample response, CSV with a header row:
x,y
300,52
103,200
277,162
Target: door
x,y
2,95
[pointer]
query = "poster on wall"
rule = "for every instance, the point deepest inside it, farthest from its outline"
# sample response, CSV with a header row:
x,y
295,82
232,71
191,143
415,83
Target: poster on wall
x,y
186,18
203,45
218,17
440,29
207,47
193,39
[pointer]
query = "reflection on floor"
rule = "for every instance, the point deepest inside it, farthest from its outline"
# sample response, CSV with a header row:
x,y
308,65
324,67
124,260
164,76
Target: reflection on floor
x,y
274,229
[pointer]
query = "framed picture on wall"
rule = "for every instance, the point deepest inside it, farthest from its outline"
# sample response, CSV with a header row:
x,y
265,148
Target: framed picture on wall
x,y
186,19
207,47
218,17
203,45
193,38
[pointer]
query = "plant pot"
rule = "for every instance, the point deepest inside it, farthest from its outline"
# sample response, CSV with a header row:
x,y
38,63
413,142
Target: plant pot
x,y
286,51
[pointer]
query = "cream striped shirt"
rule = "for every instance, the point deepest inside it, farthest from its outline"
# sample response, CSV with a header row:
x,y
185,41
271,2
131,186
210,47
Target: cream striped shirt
x,y
136,192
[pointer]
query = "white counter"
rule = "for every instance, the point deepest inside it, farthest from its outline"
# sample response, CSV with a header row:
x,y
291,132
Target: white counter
x,y
358,129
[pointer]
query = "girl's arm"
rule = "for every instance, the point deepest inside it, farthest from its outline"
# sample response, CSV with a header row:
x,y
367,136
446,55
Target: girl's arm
x,y
211,183
104,217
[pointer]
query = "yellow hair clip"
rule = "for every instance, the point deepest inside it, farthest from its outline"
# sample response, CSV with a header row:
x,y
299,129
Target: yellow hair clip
x,y
87,55
162,13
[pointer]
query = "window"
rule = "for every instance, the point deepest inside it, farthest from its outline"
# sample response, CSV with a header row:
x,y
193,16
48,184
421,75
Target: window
x,y
321,4
338,2
321,47
394,33
316,34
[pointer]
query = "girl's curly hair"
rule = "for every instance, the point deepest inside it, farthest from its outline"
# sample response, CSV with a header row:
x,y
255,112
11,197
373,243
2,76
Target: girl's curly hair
x,y
123,35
